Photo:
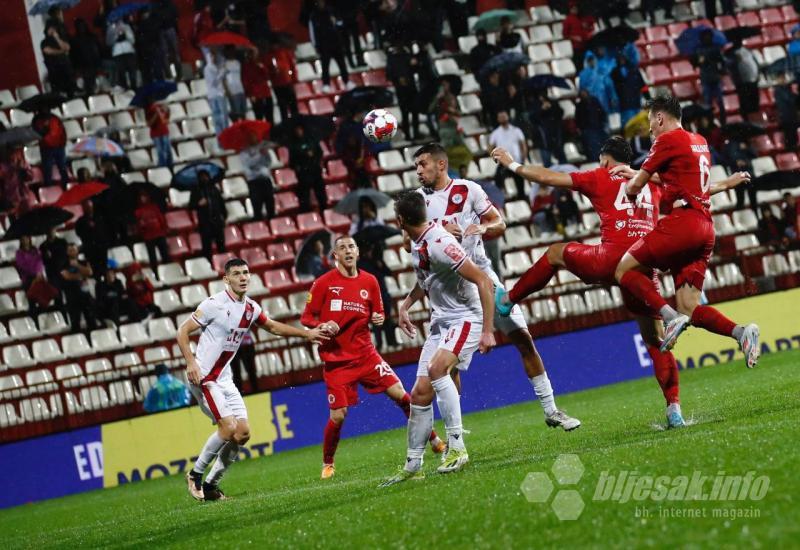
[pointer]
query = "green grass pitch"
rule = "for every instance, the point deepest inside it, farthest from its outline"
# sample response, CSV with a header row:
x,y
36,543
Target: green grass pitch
x,y
743,420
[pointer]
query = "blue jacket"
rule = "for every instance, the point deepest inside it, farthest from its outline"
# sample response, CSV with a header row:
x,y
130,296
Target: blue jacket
x,y
167,393
599,85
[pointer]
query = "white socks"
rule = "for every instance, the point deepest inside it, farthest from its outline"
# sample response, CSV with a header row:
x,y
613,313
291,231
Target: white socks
x,y
227,456
210,450
544,391
450,407
420,424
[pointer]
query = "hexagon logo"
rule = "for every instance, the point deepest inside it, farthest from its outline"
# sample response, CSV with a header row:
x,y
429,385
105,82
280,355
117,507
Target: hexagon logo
x,y
536,487
567,505
567,469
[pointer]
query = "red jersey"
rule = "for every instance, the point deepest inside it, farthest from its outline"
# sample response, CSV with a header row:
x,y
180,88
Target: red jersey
x,y
683,161
255,74
622,223
350,303
159,114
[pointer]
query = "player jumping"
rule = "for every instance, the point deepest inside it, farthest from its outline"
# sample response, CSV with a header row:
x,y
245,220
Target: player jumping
x,y
683,240
342,302
463,209
224,319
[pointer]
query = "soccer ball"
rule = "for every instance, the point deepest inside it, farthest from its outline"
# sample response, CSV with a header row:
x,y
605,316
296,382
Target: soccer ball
x,y
380,126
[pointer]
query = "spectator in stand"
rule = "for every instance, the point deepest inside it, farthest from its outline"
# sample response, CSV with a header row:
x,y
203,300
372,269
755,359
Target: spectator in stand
x,y
640,146
157,115
245,357
148,46
592,122
349,146
786,101
649,7
400,72
121,40
371,260
542,209
367,216
86,55
745,78
740,157
494,98
16,197
711,8
214,74
305,158
509,40
52,145
54,256
234,17
790,209
327,41
206,200
28,261
318,264
140,290
255,162
606,60
55,18
550,117
90,228
75,275
578,28
255,76
167,14
566,209
202,25
510,138
283,75
628,84
711,64
55,50
83,175
347,20
151,225
598,84
112,300
707,128
793,50
114,200
771,230
167,393
481,52
234,86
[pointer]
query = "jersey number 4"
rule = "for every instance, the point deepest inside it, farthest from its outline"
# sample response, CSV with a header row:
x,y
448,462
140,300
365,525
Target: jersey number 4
x,y
644,200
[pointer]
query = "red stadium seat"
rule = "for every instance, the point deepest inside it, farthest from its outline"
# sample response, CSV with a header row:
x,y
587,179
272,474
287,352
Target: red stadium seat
x,y
283,155
336,192
702,23
234,237
725,22
256,232
658,52
644,59
327,152
789,15
49,194
277,279
683,70
302,107
303,90
336,86
728,87
763,145
779,140
675,29
320,106
766,97
218,261
658,74
731,102
685,90
374,78
179,221
656,34
255,257
335,171
309,222
178,247
336,221
754,42
280,253
770,16
773,35
195,244
787,161
748,19
286,202
285,178
283,226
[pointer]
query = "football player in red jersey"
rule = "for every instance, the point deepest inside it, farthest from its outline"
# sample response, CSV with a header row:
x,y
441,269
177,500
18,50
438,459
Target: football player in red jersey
x,y
343,302
622,223
683,240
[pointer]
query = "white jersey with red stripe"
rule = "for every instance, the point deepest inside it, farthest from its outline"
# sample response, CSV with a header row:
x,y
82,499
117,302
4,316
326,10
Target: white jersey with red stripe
x,y
436,257
462,202
225,321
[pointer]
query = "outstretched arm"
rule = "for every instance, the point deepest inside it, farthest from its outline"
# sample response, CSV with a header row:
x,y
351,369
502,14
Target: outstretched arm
x,y
734,180
539,174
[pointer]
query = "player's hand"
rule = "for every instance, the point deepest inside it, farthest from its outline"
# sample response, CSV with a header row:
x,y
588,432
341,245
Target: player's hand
x,y
623,170
317,335
378,319
487,342
737,178
331,328
501,156
454,230
406,325
193,373
474,229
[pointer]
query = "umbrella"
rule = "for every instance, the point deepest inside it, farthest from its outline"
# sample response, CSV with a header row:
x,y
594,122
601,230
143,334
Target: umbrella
x,y
42,102
226,38
544,81
782,65
637,125
154,91
316,126
38,221
349,203
136,188
18,136
364,98
43,6
781,179
490,20
375,234
695,111
613,37
495,194
737,34
125,10
186,178
306,263
503,62
98,147
741,131
689,40
456,84
239,135
80,192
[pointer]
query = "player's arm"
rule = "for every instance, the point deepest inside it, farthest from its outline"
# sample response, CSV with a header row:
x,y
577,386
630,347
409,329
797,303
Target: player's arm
x,y
316,335
635,185
734,180
539,174
492,224
310,317
376,305
469,271
187,328
413,297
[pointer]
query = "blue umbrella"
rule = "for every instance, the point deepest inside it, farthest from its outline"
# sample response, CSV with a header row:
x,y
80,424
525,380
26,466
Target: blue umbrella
x,y
124,10
43,6
543,81
186,179
502,62
689,40
154,91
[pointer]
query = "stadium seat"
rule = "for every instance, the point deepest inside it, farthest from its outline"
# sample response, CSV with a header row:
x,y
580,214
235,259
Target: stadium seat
x,y
763,165
75,345
47,351
4,336
218,261
518,212
286,203
9,278
179,199
94,398
283,227
70,375
392,161
133,335
516,262
745,220
447,65
309,222
7,306
390,183
172,274
160,177
255,257
160,329
233,237
192,295
723,225
197,108
105,340
469,104
179,221
276,307
167,300
775,264
40,380
256,287
256,232
199,269
235,188
335,221
280,253
745,242
277,279
22,328
564,68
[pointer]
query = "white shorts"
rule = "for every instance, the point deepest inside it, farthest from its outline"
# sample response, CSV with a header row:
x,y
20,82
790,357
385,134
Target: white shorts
x,y
458,337
513,322
219,399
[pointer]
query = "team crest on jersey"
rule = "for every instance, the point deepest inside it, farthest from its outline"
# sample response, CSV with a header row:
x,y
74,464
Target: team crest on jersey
x,y
620,224
364,294
331,398
248,313
457,199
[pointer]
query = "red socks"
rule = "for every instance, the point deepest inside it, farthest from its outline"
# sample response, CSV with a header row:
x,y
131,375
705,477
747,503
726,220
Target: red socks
x,y
533,280
405,404
666,370
642,286
330,441
712,320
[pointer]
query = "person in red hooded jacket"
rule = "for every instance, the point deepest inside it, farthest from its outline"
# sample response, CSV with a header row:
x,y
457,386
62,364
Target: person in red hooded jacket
x,y
283,75
140,291
51,145
255,76
152,227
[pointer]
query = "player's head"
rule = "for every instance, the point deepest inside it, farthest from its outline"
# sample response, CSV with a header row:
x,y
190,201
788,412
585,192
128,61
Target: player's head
x,y
665,114
615,151
345,251
409,206
237,275
431,163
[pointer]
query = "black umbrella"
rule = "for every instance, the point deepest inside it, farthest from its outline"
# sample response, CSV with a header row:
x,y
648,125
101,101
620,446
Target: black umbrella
x,y
307,262
741,131
737,34
782,65
42,102
187,178
316,126
154,91
38,221
375,234
456,84
364,98
544,81
19,136
613,37
504,62
136,188
695,111
349,203
782,179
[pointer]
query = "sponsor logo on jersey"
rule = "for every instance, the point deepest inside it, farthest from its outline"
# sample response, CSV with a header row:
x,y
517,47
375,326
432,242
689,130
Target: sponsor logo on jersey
x,y
364,294
336,305
620,224
454,252
337,290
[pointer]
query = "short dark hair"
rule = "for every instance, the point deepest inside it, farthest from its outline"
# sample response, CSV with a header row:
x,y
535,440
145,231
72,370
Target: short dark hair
x,y
411,206
665,103
433,149
234,262
618,149
342,237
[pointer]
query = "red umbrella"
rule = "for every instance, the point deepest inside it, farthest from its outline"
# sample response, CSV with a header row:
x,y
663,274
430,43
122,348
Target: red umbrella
x,y
80,192
239,136
225,38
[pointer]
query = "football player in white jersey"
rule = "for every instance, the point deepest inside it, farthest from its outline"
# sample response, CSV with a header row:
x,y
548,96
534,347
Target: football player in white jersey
x,y
463,209
462,321
224,319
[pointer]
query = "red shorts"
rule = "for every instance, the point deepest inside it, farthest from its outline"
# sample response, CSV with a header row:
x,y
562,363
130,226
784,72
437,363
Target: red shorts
x,y
596,264
342,379
681,243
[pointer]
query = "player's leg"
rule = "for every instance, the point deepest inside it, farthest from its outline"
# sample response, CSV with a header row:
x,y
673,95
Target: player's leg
x,y
533,280
665,367
330,440
397,393
340,384
449,403
227,456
